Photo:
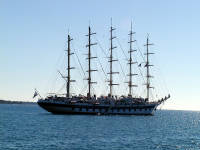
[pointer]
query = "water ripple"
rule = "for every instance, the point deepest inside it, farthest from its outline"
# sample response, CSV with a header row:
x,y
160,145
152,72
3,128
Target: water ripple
x,y
29,127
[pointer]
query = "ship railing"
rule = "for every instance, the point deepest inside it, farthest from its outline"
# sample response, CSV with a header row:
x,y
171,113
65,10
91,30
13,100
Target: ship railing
x,y
162,100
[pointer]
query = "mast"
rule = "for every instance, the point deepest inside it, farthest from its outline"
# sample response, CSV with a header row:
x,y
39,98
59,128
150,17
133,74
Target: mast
x,y
147,65
111,60
69,67
130,62
89,62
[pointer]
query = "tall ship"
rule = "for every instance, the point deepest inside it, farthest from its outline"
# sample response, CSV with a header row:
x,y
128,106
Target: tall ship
x,y
107,104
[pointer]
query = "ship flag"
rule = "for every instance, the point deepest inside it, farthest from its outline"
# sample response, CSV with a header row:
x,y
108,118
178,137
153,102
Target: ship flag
x,y
35,94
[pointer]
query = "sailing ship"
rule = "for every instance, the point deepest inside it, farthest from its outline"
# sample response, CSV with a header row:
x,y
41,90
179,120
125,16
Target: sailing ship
x,y
104,105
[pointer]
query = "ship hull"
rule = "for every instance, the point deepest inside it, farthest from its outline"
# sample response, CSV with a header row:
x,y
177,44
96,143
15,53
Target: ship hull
x,y
56,108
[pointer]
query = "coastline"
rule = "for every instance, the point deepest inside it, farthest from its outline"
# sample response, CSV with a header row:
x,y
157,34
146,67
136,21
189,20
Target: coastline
x,y
15,102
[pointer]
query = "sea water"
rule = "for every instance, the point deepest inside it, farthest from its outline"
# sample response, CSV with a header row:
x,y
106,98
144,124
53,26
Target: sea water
x,y
27,126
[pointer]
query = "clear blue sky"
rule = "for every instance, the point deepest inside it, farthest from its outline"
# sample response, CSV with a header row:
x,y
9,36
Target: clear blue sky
x,y
33,39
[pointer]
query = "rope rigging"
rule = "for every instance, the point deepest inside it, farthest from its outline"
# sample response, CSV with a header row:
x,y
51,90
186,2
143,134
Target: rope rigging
x,y
121,48
79,62
141,72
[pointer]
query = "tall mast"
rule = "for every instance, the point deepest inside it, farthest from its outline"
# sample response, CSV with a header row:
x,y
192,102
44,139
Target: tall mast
x,y
89,62
111,60
147,65
130,62
69,67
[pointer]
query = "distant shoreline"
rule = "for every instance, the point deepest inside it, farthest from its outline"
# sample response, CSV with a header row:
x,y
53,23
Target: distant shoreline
x,y
15,102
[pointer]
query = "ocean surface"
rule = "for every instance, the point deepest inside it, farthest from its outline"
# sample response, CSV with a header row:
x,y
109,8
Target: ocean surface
x,y
28,127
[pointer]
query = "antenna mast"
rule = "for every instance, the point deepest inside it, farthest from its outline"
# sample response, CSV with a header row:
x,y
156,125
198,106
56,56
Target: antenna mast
x,y
130,62
147,65
111,60
68,67
89,62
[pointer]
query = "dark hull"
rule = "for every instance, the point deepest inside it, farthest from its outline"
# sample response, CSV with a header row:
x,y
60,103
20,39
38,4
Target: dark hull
x,y
55,108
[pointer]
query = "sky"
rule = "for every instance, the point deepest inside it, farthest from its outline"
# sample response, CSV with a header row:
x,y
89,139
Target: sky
x,y
34,36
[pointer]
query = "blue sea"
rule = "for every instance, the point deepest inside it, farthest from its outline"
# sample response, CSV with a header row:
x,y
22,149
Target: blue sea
x,y
28,127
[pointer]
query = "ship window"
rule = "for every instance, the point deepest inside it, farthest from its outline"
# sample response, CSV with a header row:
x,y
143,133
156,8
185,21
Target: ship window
x,y
80,109
140,109
93,109
145,109
134,109
72,108
118,109
86,109
123,109
129,109
149,108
